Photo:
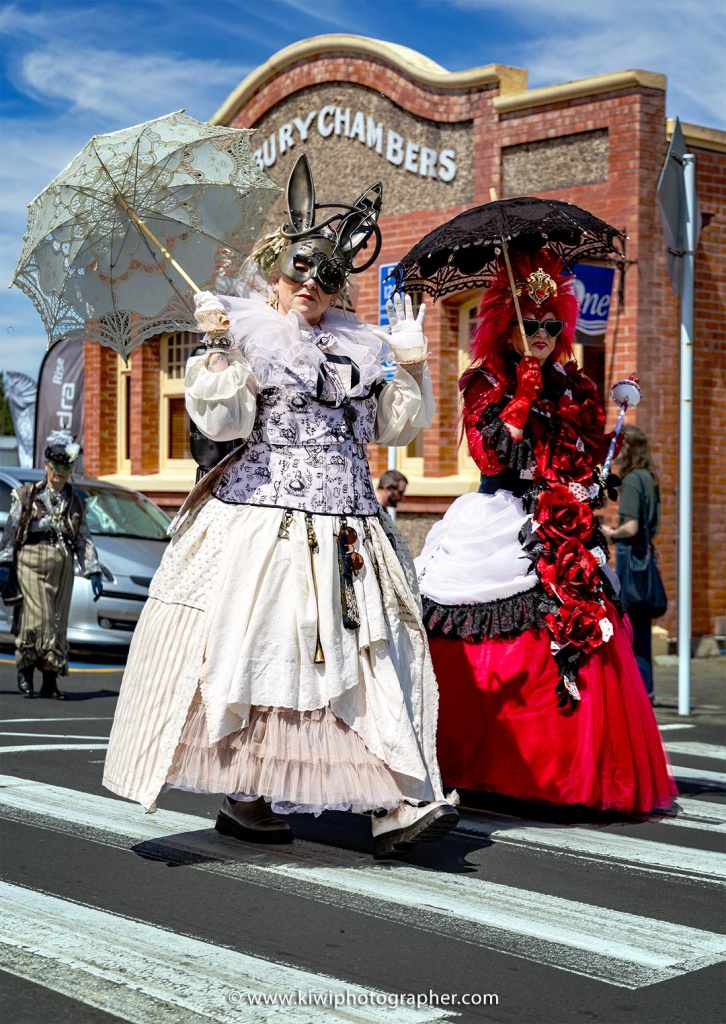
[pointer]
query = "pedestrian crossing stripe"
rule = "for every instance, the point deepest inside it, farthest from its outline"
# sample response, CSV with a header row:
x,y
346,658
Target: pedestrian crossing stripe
x,y
709,750
143,973
621,949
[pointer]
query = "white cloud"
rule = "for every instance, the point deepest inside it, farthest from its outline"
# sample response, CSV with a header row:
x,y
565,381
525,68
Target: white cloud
x,y
127,88
570,39
78,90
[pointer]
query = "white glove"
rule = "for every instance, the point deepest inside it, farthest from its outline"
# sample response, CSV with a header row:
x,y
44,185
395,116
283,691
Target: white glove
x,y
407,338
210,314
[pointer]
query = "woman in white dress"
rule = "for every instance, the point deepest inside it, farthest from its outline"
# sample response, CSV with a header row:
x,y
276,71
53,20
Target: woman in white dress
x,y
281,658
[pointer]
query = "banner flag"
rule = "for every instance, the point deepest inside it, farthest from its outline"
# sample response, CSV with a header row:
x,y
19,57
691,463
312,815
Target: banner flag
x,y
21,392
593,287
59,404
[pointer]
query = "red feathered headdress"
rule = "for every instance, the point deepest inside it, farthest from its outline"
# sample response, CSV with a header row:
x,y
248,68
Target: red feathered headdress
x,y
543,286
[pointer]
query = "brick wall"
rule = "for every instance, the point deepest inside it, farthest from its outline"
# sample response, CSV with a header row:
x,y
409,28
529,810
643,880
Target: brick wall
x,y
642,335
145,408
99,409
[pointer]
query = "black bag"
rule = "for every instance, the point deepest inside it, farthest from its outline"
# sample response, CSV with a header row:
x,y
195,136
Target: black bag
x,y
11,593
641,587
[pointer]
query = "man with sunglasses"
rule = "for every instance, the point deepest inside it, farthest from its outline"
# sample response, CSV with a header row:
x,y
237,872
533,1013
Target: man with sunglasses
x,y
391,488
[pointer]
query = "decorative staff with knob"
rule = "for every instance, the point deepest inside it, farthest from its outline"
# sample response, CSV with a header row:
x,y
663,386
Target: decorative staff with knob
x,y
627,394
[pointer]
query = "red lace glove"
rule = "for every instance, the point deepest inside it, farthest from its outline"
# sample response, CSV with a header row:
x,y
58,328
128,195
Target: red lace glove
x,y
529,382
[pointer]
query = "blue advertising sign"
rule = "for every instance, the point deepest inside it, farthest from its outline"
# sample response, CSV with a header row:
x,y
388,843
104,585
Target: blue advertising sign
x,y
593,287
386,288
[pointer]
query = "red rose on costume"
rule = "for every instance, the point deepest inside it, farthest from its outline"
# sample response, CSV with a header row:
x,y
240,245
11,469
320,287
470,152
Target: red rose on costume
x,y
569,571
543,462
562,517
569,462
584,419
577,624
581,385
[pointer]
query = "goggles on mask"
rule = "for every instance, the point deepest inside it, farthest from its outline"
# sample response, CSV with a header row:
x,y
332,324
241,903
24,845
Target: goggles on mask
x,y
313,258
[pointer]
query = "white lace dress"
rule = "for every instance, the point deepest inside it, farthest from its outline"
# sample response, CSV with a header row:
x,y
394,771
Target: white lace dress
x,y
223,691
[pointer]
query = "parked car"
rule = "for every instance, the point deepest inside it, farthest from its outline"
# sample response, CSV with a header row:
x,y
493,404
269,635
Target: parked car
x,y
129,532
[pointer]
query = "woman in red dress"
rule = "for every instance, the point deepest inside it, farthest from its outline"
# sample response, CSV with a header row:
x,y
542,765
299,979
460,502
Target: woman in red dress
x,y
541,697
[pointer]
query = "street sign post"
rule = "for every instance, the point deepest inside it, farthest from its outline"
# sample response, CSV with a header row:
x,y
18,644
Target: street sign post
x,y
386,288
679,209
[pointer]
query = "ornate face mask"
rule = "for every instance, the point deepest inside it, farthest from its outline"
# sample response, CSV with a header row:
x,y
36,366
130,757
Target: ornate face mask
x,y
325,251
315,258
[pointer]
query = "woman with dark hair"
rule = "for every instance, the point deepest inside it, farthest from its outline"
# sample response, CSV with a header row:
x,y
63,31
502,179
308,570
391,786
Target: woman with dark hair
x,y
639,520
540,696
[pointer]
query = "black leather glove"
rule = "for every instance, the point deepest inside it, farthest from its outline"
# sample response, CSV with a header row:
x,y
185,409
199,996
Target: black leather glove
x,y
96,585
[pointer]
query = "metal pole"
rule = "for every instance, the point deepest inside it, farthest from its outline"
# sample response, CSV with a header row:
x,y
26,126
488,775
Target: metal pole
x,y
685,443
392,458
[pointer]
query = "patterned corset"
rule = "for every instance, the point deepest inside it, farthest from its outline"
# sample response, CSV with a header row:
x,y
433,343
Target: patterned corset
x,y
303,454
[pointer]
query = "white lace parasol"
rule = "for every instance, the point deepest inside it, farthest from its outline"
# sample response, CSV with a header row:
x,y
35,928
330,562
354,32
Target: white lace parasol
x,y
107,239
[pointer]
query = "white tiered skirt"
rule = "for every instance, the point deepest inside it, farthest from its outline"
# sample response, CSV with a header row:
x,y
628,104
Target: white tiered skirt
x,y
222,692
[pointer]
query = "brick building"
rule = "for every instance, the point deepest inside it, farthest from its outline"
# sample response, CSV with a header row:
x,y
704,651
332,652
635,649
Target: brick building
x,y
365,110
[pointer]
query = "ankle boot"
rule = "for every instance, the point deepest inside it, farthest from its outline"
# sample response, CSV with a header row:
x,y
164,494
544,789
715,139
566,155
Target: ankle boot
x,y
252,821
50,687
25,681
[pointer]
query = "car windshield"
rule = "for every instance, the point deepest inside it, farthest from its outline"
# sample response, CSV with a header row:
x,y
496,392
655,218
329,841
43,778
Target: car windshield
x,y
112,513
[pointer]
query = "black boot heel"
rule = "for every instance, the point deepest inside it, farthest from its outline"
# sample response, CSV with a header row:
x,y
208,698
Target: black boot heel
x,y
49,689
25,681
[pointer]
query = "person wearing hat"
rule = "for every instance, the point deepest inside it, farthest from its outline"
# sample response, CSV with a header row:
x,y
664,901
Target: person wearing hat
x,y
541,698
281,659
46,529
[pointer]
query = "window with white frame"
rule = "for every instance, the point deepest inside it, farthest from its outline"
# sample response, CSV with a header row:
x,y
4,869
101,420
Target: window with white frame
x,y
174,419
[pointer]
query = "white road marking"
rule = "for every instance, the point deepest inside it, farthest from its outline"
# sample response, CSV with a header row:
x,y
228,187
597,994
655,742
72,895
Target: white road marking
x,y
674,725
15,721
54,735
53,746
710,780
618,948
716,753
698,814
145,974
595,844
702,808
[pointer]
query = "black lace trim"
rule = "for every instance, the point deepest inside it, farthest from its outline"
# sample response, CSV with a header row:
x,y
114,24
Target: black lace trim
x,y
515,455
507,617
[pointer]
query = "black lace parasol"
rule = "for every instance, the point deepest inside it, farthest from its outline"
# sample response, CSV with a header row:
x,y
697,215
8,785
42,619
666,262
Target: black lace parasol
x,y
464,252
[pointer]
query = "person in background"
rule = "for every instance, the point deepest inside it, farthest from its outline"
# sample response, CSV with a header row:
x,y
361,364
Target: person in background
x,y
46,529
391,488
639,520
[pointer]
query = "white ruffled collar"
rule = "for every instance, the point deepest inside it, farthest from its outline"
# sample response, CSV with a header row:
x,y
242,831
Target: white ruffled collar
x,y
273,341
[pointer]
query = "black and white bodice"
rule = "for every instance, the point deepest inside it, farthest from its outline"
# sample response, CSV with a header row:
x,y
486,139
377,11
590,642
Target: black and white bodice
x,y
307,450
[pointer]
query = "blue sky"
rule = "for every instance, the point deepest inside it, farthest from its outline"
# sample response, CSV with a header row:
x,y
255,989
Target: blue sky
x,y
74,69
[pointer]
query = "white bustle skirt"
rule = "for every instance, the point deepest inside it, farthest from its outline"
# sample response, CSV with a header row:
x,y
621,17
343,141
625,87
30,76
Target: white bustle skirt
x,y
473,555
222,692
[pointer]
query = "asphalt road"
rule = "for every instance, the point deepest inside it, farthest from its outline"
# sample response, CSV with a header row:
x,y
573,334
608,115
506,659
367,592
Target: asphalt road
x,y
110,914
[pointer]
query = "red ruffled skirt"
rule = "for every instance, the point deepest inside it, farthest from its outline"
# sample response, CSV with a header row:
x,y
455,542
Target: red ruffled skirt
x,y
500,728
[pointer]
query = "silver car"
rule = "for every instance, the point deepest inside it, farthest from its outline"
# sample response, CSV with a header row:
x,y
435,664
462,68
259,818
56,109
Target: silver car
x,y
129,532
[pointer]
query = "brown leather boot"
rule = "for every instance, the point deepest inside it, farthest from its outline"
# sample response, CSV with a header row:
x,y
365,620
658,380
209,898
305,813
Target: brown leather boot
x,y
252,821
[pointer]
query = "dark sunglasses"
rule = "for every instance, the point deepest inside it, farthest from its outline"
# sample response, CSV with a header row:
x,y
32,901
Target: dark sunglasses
x,y
353,559
551,327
